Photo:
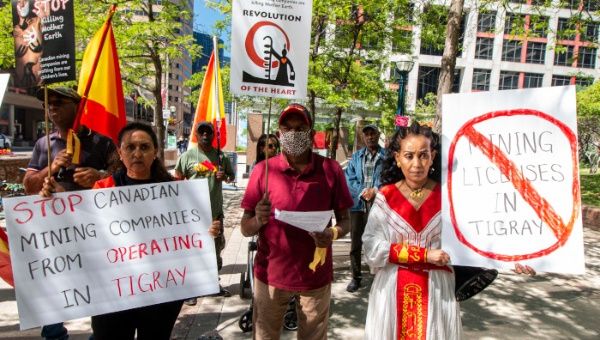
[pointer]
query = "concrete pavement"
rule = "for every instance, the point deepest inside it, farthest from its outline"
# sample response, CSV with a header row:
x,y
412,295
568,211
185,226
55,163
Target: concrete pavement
x,y
547,306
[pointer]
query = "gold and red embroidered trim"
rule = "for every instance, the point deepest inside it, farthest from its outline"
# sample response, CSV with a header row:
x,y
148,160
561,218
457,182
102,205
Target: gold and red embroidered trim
x,y
411,304
402,253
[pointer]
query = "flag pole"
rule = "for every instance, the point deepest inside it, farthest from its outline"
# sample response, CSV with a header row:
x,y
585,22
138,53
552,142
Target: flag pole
x,y
216,100
86,91
47,128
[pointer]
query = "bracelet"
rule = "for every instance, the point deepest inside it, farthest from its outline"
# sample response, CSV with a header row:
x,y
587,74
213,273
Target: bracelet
x,y
335,231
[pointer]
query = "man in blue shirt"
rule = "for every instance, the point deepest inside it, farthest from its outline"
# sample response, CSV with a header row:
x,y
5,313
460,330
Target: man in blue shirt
x,y
363,177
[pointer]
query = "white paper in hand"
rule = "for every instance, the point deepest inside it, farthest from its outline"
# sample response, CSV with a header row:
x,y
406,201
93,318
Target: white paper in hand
x,y
305,220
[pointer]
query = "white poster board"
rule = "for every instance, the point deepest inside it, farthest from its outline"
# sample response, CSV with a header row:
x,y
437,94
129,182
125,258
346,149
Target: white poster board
x,y
511,180
270,43
91,252
4,77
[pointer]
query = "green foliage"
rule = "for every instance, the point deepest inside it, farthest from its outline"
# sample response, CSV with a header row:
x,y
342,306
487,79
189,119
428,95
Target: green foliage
x,y
590,189
588,101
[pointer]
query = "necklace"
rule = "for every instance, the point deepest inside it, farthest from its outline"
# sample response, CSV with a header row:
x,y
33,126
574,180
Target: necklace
x,y
416,194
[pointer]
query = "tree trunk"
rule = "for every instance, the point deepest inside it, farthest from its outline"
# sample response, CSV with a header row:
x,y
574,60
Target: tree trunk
x,y
448,58
158,107
335,134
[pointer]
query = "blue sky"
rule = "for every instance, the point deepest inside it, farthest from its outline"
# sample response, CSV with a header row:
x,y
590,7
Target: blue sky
x,y
204,20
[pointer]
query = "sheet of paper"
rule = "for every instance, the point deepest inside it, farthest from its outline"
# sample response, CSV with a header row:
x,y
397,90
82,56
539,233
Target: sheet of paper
x,y
306,220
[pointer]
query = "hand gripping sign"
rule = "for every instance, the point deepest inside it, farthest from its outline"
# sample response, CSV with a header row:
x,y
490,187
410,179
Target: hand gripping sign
x,y
512,188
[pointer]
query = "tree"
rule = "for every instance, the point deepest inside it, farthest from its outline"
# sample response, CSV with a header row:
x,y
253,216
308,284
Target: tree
x,y
588,125
346,69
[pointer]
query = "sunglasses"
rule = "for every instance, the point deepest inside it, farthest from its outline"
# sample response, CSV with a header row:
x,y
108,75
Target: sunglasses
x,y
271,146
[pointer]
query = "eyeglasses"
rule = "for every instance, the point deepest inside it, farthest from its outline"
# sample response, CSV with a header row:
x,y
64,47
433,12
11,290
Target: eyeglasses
x,y
271,146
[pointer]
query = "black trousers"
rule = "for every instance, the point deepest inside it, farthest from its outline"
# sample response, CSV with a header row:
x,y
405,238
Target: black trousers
x,y
358,221
152,323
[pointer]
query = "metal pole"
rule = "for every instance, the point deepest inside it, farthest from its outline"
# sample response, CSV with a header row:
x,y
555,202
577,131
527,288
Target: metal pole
x,y
400,110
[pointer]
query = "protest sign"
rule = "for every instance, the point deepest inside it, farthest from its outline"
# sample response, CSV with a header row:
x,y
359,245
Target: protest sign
x,y
44,39
511,180
270,42
92,252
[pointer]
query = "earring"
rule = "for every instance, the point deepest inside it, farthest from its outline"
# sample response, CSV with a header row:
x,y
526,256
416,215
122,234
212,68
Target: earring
x,y
398,164
431,170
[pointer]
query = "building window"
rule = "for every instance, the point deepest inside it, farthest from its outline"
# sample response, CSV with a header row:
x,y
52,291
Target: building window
x,y
509,80
511,50
584,81
538,26
428,80
566,29
536,53
484,48
532,80
481,79
373,41
401,41
587,57
561,80
564,57
513,23
486,22
590,32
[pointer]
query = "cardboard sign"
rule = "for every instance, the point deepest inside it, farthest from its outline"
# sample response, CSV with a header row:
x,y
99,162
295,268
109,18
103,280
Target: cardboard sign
x,y
511,180
44,38
270,42
92,252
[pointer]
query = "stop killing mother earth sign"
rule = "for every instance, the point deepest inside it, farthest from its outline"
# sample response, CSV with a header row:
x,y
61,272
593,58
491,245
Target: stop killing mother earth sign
x,y
511,180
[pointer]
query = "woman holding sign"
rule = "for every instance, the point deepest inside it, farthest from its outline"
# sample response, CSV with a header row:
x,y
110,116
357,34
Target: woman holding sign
x,y
412,296
139,164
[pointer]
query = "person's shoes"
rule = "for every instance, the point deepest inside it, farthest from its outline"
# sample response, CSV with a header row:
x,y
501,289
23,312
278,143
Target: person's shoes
x,y
190,302
223,292
353,285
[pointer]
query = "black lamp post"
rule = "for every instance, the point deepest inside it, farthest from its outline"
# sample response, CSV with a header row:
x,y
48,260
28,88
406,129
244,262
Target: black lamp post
x,y
404,65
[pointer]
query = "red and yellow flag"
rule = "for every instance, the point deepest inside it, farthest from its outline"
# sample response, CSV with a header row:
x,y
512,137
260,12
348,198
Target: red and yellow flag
x,y
5,266
211,107
100,81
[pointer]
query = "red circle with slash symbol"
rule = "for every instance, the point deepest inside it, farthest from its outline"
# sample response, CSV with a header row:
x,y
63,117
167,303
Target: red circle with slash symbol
x,y
509,169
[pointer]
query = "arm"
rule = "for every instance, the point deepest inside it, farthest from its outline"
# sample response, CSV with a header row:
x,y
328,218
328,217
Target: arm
x,y
34,179
354,182
325,238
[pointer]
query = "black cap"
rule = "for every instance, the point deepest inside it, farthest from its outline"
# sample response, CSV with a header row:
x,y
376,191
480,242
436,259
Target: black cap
x,y
65,92
370,126
205,125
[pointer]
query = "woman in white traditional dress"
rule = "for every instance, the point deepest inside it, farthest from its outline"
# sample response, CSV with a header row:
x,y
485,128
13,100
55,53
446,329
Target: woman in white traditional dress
x,y
413,293
412,296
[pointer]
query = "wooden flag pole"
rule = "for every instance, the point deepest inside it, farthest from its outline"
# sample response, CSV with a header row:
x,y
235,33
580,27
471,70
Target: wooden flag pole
x,y
267,141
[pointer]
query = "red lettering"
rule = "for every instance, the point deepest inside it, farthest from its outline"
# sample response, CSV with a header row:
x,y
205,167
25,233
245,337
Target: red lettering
x,y
155,277
140,284
142,250
28,211
133,251
42,204
115,257
62,206
73,202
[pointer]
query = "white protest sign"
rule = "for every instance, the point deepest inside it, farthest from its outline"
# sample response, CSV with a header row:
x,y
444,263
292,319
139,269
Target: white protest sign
x,y
270,43
92,252
4,78
511,180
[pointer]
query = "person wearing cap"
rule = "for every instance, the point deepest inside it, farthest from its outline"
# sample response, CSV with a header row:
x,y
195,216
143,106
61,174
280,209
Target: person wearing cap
x,y
363,177
205,161
291,262
98,153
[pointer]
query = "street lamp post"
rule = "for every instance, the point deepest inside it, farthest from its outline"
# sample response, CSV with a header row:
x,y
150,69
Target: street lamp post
x,y
404,65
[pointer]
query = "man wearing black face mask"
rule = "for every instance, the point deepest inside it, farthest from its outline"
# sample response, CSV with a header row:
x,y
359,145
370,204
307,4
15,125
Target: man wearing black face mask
x,y
204,161
288,261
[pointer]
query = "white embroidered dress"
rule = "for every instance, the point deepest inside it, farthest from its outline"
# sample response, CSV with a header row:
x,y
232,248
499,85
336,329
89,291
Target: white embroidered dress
x,y
393,219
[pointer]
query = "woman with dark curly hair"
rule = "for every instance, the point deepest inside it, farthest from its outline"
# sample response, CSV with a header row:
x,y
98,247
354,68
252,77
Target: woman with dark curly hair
x,y
412,296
